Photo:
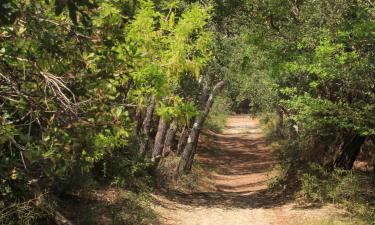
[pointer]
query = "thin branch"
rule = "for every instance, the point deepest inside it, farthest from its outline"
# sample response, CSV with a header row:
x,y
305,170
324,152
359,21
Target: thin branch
x,y
57,85
65,26
20,147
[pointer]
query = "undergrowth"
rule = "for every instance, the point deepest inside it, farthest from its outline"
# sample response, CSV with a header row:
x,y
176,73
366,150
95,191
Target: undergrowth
x,y
352,190
118,189
126,170
166,175
109,206
21,213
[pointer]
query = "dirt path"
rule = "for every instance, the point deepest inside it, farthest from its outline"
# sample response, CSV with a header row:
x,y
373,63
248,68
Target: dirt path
x,y
236,192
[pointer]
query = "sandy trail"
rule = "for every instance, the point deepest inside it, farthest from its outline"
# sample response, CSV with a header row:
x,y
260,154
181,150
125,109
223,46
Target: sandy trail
x,y
237,189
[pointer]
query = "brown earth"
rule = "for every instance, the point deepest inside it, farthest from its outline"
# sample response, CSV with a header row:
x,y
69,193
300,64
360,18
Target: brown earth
x,y
238,164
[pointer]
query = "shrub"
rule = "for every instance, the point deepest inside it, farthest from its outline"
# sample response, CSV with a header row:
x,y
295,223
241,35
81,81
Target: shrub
x,y
125,168
352,189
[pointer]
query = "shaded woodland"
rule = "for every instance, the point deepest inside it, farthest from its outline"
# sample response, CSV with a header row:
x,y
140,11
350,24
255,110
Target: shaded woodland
x,y
107,91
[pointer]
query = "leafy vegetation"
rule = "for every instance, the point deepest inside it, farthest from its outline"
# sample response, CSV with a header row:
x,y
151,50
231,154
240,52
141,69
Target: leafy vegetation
x,y
354,190
76,81
106,91
308,68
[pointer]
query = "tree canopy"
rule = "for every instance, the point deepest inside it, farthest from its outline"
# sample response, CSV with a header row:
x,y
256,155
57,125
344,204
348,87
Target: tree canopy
x,y
107,88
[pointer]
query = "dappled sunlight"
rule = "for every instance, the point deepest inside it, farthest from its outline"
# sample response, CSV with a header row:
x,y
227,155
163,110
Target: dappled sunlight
x,y
237,189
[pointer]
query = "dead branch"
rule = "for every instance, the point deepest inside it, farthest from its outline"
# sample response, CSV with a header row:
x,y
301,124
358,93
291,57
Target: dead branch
x,y
57,86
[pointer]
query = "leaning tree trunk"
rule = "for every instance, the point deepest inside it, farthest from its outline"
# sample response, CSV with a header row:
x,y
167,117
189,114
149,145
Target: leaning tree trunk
x,y
202,104
159,140
193,151
188,154
169,138
146,127
182,140
349,152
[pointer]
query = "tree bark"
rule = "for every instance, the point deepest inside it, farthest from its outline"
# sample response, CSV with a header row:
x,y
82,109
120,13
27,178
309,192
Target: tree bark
x,y
188,154
169,138
280,121
205,95
146,126
349,151
138,118
159,140
182,140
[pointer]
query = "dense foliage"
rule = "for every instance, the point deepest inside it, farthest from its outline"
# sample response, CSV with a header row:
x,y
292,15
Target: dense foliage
x,y
312,64
107,89
325,77
77,78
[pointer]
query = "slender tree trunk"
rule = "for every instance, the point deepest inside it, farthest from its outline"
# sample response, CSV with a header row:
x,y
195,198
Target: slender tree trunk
x,y
280,121
182,140
188,154
189,151
169,138
203,98
159,140
202,104
194,150
146,126
349,152
138,117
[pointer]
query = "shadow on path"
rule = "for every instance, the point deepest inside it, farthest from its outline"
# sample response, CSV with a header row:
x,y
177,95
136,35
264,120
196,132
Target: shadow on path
x,y
227,200
241,162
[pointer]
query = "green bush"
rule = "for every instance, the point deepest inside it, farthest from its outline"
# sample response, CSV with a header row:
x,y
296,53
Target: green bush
x,y
352,189
125,168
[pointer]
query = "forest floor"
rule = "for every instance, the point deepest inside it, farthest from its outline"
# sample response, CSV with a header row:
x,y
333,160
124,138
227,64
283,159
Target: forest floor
x,y
238,168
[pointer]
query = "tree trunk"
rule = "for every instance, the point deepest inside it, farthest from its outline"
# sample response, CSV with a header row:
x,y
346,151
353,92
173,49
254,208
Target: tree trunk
x,y
194,150
159,140
349,152
138,118
169,138
203,98
280,121
182,140
202,104
146,126
188,154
